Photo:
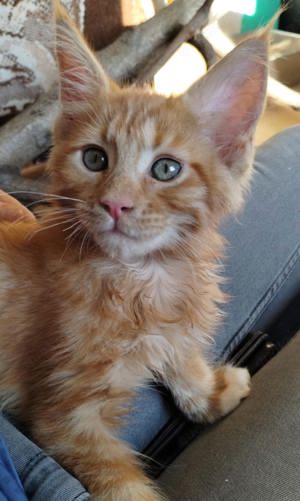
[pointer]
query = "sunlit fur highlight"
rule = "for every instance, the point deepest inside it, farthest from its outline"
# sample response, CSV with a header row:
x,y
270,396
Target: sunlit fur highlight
x,y
88,315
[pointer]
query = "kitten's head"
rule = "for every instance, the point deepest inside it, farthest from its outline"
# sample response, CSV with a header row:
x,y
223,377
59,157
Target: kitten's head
x,y
153,172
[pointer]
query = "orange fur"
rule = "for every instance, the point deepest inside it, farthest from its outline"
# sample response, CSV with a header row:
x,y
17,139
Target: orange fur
x,y
88,315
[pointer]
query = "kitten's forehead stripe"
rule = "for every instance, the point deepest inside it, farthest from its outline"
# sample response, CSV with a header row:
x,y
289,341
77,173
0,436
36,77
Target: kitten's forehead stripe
x,y
149,132
132,132
145,160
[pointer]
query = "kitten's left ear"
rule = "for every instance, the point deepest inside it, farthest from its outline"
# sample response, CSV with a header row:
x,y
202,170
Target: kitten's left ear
x,y
228,101
81,75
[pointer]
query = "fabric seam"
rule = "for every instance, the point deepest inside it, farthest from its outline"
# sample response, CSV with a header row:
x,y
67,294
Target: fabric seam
x,y
263,303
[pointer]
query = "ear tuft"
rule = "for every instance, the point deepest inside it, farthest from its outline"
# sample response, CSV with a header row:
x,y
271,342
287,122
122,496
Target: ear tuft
x,y
229,99
60,12
81,75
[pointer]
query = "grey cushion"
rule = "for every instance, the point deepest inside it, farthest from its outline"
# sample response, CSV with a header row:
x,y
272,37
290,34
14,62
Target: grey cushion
x,y
263,265
253,454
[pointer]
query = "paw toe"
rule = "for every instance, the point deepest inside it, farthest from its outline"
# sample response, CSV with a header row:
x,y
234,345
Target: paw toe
x,y
237,387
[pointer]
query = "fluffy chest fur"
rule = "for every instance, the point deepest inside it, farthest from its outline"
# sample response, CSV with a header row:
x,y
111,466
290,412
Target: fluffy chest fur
x,y
89,315
120,307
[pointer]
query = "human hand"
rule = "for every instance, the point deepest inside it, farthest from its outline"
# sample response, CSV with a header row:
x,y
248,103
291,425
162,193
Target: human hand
x,y
11,210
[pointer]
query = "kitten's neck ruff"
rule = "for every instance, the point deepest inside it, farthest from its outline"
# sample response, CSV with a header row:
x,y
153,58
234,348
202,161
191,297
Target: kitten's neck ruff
x,y
168,287
187,268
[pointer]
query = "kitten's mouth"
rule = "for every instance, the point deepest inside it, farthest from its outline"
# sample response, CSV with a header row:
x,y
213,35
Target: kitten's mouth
x,y
118,232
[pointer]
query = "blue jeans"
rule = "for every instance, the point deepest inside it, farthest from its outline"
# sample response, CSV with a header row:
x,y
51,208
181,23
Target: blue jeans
x,y
10,485
263,270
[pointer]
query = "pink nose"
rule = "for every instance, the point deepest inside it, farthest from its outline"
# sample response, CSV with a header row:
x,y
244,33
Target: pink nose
x,y
115,209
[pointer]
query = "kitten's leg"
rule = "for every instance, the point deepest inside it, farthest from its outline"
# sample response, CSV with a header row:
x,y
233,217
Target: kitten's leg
x,y
105,465
204,393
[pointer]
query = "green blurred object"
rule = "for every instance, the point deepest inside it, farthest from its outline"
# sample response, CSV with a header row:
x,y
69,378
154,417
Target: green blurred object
x,y
264,11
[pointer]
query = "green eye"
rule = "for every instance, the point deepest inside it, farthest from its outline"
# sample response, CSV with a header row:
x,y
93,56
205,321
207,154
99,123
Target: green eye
x,y
95,158
165,169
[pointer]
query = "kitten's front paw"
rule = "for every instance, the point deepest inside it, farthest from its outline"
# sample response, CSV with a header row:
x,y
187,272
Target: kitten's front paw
x,y
235,384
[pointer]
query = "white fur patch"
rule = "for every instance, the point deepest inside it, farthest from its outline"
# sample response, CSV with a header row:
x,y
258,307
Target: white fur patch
x,y
145,160
149,131
238,387
86,418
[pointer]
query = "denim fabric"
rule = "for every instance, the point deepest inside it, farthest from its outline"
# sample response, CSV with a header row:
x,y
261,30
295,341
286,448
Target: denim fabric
x,y
263,265
43,479
263,270
11,488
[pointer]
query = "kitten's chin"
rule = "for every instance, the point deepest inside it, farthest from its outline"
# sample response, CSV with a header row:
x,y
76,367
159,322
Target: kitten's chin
x,y
117,244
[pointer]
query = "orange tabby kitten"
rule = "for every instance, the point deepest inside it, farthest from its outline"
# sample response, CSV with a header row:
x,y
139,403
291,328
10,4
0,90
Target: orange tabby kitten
x,y
116,285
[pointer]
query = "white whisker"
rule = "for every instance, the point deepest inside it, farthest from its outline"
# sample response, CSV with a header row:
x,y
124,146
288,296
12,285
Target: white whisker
x,y
47,200
74,231
82,244
52,195
69,238
72,225
60,217
45,228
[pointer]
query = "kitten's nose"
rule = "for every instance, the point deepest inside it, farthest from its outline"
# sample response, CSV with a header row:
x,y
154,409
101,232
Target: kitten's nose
x,y
116,208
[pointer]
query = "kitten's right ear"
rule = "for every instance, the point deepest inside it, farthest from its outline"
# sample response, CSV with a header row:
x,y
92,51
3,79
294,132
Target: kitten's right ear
x,y
80,74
